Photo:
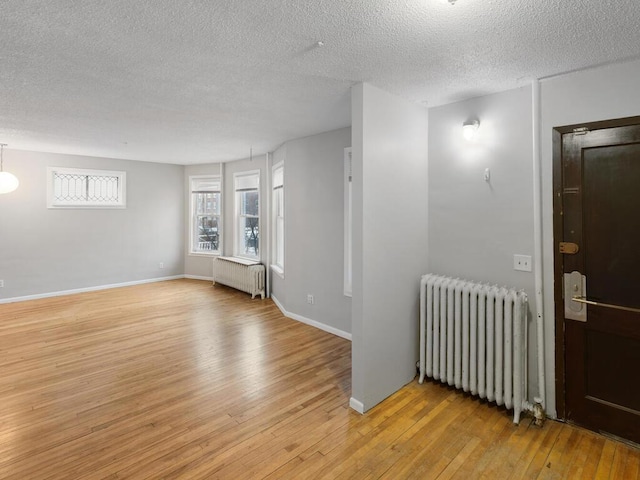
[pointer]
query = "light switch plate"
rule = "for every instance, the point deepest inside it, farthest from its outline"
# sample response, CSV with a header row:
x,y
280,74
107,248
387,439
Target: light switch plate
x,y
522,263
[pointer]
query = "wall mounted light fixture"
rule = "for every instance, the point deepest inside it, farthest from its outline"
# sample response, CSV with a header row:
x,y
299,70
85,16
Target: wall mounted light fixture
x,y
470,129
8,181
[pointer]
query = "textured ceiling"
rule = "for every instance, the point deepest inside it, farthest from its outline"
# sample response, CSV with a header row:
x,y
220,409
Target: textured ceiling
x,y
196,81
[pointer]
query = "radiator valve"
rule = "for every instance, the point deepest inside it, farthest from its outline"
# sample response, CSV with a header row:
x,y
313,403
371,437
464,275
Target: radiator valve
x,y
538,412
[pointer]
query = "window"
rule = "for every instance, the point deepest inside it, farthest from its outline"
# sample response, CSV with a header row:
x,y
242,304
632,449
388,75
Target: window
x,y
278,218
247,233
206,221
82,188
348,222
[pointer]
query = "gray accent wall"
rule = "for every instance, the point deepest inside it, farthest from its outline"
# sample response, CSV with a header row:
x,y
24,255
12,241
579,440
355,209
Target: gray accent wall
x,y
46,250
389,155
475,226
314,229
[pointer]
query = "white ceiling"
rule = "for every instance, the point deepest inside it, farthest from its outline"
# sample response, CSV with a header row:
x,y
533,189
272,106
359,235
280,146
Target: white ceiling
x,y
198,81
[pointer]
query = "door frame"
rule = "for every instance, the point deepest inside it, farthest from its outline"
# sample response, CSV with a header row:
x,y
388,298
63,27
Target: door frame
x,y
558,235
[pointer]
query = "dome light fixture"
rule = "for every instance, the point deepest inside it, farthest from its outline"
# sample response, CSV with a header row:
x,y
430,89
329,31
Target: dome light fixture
x,y
470,129
8,181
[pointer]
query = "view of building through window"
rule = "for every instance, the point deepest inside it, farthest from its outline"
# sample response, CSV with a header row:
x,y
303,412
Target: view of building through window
x,y
248,214
206,225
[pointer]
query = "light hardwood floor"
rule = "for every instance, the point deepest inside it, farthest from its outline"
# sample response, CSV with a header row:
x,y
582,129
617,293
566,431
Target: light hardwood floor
x,y
181,379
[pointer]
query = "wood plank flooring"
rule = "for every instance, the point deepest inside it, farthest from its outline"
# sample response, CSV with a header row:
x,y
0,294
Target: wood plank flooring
x,y
180,379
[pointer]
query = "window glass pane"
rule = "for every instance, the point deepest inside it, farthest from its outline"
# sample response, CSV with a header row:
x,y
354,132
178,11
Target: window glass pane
x,y
73,187
280,242
249,240
207,203
278,217
206,236
247,181
102,188
206,224
249,204
247,208
279,202
208,184
278,177
69,187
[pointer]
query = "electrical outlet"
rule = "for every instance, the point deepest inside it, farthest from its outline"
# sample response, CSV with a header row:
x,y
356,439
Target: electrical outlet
x,y
161,265
1,283
310,299
522,263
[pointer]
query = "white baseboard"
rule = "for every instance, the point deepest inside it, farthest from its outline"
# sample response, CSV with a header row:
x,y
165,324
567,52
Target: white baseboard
x,y
357,405
308,321
198,277
87,289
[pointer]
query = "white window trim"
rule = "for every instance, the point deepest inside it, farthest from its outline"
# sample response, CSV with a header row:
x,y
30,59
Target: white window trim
x,y
236,253
122,188
348,223
278,269
213,253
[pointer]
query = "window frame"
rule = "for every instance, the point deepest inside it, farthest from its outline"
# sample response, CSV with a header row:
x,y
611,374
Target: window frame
x,y
122,188
238,216
348,223
193,214
276,190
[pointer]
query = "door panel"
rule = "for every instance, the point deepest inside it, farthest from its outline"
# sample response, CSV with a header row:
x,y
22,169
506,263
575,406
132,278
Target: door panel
x,y
611,228
600,209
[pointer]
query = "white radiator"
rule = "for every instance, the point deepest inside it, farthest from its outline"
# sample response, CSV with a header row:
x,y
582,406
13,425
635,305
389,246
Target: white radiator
x,y
245,275
472,337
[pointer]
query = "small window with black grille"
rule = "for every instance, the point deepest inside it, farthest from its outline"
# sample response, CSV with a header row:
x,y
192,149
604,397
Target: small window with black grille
x,y
73,187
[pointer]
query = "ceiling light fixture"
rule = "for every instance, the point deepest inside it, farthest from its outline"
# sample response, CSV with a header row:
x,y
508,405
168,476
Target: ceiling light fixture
x,y
8,181
470,129
450,2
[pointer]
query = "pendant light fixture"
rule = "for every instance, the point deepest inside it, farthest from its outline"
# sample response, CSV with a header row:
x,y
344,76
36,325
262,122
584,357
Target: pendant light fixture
x,y
8,181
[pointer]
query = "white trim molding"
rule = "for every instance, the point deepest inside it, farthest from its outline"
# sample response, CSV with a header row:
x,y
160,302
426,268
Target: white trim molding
x,y
313,323
357,405
199,277
87,289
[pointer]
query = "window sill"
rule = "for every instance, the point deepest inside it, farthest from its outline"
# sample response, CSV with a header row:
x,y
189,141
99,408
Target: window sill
x,y
247,257
278,271
204,254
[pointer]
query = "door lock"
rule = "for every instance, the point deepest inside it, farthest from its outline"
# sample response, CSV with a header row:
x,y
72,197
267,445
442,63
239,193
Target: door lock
x,y
575,285
568,248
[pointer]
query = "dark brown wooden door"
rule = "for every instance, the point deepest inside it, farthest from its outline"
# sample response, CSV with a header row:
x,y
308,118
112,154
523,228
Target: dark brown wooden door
x,y
600,201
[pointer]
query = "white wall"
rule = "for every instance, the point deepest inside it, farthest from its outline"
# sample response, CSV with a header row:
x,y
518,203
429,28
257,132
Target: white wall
x,y
389,152
598,94
314,230
52,250
197,265
475,227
